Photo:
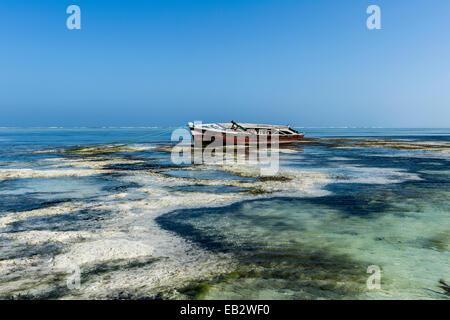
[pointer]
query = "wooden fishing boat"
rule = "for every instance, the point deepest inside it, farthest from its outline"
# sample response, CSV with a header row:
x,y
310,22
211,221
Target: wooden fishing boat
x,y
243,133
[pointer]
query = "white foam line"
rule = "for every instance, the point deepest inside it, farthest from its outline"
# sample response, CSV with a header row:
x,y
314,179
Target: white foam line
x,y
92,163
64,208
38,237
7,174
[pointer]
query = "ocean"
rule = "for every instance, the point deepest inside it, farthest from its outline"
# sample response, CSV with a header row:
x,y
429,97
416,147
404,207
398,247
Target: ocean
x,y
103,213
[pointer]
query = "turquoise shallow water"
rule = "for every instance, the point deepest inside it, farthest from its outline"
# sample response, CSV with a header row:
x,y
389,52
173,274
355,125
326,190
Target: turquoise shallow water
x,y
138,226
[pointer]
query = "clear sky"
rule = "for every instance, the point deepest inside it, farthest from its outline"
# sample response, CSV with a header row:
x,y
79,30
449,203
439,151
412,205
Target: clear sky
x,y
166,62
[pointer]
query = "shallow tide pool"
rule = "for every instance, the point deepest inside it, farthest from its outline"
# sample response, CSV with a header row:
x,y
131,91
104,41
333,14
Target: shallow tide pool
x,y
137,226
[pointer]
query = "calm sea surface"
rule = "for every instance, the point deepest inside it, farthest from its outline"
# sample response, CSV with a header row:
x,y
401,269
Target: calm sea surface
x,y
109,205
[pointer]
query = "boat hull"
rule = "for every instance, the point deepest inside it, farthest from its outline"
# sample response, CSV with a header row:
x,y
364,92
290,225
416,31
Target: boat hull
x,y
238,138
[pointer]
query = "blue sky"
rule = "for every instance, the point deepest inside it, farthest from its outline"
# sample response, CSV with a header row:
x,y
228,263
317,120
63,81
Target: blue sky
x,y
166,62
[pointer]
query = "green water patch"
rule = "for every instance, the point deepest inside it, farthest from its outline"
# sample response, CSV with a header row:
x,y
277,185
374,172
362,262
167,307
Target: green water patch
x,y
321,247
278,257
274,273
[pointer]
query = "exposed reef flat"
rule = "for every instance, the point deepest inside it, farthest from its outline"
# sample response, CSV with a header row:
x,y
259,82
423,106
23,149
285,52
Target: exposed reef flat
x,y
443,147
